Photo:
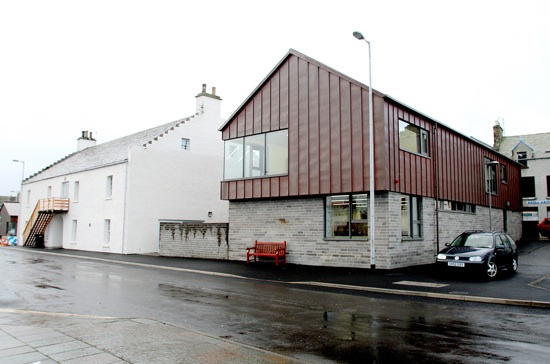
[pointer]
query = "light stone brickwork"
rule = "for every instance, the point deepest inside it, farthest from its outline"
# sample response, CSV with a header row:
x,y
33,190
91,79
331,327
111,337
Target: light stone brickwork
x,y
300,222
194,240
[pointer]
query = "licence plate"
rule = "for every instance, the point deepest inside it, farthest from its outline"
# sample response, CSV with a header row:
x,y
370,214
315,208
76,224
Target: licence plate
x,y
455,264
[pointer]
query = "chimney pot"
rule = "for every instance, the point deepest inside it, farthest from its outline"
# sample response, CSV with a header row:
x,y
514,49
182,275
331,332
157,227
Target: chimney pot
x,y
204,87
83,134
214,91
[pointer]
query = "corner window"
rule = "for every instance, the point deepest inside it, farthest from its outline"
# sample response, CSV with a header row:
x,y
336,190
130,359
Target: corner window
x,y
346,216
413,139
411,224
256,155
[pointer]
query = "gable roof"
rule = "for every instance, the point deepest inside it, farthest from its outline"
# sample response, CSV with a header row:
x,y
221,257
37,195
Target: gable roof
x,y
293,52
387,97
12,208
105,154
539,144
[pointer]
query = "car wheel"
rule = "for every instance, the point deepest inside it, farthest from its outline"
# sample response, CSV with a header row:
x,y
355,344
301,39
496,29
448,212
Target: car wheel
x,y
513,266
492,269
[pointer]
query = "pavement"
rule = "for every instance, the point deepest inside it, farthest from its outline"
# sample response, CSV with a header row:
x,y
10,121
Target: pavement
x,y
42,337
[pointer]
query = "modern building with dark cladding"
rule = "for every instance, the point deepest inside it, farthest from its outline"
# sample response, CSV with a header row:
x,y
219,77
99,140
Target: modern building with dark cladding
x,y
297,169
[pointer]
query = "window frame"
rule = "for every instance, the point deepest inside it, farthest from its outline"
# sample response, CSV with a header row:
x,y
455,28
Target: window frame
x,y
422,138
525,189
109,187
251,156
355,217
414,226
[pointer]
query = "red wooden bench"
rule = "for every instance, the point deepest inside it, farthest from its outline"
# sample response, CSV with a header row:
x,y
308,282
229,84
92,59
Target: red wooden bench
x,y
267,249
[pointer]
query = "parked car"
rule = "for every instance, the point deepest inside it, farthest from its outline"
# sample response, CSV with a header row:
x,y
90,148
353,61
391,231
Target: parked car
x,y
484,252
544,227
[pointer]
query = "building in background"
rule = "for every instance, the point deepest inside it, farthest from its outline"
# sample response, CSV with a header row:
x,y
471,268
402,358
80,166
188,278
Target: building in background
x,y
532,151
113,197
9,214
297,169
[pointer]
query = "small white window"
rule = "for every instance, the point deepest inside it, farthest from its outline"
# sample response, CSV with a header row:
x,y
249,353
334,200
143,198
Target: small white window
x,y
185,143
73,231
109,187
65,189
76,191
107,231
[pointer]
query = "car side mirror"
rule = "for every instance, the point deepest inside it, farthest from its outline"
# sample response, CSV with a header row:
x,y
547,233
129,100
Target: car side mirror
x,y
447,244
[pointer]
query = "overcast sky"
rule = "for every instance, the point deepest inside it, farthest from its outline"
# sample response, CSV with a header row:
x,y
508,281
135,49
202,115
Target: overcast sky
x,y
121,66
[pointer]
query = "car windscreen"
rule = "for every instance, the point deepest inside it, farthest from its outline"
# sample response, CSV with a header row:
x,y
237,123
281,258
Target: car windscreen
x,y
474,241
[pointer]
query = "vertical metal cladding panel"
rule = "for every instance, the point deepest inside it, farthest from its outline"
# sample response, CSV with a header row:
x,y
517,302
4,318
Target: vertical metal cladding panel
x,y
249,118
224,191
257,112
241,189
293,127
313,133
257,188
283,96
303,128
325,147
335,137
248,188
266,187
357,141
266,109
274,187
274,106
393,156
345,135
241,124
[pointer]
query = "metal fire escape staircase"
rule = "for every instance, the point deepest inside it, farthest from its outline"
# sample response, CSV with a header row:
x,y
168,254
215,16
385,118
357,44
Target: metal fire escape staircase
x,y
43,213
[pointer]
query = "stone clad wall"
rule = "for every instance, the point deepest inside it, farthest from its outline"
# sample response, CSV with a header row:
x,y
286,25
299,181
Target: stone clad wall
x,y
194,240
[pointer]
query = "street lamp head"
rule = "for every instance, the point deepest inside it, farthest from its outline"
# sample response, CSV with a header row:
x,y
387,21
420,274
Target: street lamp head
x,y
358,35
16,160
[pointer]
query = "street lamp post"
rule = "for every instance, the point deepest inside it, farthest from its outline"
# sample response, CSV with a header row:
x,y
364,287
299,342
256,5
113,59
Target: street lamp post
x,y
22,173
490,172
359,36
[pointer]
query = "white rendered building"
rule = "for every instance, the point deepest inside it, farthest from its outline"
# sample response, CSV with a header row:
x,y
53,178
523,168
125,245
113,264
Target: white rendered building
x,y
112,197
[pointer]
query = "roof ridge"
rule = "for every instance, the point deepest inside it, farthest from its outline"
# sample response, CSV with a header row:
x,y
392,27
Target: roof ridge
x,y
174,124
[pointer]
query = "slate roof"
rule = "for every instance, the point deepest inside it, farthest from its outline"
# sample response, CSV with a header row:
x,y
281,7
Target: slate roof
x,y
12,208
105,154
539,143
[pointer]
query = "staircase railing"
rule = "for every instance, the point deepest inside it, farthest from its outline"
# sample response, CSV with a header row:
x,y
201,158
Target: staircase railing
x,y
50,206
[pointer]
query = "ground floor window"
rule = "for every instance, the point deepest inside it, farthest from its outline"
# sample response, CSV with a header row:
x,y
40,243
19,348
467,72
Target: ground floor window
x,y
411,216
346,216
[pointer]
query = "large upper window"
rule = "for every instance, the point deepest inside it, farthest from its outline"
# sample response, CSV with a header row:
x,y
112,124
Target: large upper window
x,y
257,155
346,216
413,139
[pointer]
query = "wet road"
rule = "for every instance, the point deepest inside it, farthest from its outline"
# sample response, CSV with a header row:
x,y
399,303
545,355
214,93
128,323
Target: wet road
x,y
309,324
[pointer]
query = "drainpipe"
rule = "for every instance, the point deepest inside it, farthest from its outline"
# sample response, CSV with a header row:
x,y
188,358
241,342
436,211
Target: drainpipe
x,y
436,189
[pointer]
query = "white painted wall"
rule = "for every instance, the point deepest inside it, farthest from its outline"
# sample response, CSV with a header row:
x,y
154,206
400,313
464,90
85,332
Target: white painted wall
x,y
90,210
158,182
168,183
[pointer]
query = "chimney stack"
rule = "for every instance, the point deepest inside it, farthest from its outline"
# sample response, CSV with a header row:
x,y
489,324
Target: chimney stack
x,y
85,141
498,135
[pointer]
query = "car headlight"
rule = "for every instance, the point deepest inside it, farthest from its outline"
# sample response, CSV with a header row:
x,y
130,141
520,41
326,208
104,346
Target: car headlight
x,y
441,256
475,259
